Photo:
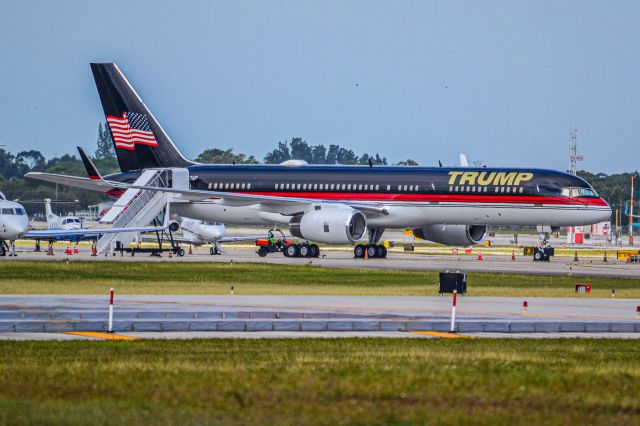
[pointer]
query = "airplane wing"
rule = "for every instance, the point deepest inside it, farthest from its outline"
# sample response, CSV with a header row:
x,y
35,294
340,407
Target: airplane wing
x,y
268,202
79,233
99,185
239,199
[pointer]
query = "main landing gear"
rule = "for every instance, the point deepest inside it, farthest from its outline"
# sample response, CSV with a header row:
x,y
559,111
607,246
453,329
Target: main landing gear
x,y
543,251
373,249
301,250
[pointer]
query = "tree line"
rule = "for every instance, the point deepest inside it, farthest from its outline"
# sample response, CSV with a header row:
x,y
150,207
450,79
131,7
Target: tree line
x,y
614,188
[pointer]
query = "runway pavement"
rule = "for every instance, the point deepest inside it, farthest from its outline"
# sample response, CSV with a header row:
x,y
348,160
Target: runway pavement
x,y
357,315
592,267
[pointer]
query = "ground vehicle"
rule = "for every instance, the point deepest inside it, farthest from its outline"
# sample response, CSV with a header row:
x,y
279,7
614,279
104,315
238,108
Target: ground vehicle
x,y
274,244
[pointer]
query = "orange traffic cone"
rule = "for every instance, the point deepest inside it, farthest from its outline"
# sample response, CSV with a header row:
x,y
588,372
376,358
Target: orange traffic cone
x,y
190,251
94,250
75,250
366,253
480,255
513,255
69,250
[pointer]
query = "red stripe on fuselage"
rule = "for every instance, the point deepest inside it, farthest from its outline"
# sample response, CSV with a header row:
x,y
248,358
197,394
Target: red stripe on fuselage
x,y
442,198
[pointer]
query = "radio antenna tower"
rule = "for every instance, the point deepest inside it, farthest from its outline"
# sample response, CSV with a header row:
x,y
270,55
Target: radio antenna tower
x,y
573,152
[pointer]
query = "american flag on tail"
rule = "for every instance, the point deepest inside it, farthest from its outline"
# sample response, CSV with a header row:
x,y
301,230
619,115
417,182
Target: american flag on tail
x,y
130,130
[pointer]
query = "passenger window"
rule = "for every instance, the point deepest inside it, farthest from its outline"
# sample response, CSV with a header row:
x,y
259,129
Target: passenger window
x,y
287,186
249,186
242,186
360,187
388,187
315,186
226,185
377,187
410,187
521,190
349,187
332,186
304,186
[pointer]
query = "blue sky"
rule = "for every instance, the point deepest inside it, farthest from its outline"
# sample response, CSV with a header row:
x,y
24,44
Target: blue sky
x,y
500,81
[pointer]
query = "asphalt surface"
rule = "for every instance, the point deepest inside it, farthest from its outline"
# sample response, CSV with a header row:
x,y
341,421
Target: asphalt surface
x,y
384,316
592,267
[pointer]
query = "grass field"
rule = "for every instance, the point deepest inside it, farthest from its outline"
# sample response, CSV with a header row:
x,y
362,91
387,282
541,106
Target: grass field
x,y
318,381
30,277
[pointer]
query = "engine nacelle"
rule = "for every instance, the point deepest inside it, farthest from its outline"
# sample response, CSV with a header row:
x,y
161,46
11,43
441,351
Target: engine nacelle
x,y
174,226
330,224
452,235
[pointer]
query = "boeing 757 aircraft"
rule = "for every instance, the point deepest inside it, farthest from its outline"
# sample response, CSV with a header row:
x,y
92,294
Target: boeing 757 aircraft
x,y
334,204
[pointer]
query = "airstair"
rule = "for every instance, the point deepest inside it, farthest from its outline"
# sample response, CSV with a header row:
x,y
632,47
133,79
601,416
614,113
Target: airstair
x,y
137,207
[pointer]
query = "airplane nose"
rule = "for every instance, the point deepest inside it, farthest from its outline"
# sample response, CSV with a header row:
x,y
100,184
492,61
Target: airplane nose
x,y
606,212
13,229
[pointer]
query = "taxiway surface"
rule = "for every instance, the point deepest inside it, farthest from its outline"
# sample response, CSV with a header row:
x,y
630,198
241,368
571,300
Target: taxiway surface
x,y
591,267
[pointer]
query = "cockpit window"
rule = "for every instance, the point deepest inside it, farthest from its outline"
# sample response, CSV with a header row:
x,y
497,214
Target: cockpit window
x,y
20,212
587,192
578,192
7,211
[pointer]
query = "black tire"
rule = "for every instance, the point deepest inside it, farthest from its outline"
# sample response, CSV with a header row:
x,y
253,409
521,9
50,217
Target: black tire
x,y
382,251
263,251
315,250
304,250
372,251
358,251
180,252
537,256
291,250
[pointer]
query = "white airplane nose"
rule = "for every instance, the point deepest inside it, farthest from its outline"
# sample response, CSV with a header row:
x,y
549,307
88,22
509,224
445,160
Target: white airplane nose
x,y
13,230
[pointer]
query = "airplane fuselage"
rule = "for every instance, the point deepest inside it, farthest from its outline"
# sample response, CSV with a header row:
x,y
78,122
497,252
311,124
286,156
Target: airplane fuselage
x,y
413,196
14,221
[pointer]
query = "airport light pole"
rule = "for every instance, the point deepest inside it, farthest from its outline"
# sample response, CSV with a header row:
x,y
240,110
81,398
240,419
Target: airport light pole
x,y
631,213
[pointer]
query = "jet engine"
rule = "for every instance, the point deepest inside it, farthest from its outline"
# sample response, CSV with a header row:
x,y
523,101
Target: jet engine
x,y
174,226
329,224
452,235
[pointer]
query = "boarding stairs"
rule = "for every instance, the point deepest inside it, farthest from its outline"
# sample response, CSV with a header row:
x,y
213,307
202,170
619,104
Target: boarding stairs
x,y
138,207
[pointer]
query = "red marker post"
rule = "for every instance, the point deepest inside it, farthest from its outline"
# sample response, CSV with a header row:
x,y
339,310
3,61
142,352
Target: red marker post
x,y
525,306
453,311
111,312
638,313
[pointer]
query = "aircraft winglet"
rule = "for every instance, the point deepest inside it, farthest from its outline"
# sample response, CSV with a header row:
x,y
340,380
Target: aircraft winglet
x,y
92,170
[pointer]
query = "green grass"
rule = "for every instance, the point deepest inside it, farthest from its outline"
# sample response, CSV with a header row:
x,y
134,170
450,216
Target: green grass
x,y
318,381
78,277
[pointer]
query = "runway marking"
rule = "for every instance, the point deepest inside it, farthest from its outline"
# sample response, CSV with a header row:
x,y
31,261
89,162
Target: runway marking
x,y
442,334
99,335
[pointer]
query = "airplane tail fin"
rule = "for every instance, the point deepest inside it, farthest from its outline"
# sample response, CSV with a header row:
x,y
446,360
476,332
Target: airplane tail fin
x,y
92,170
51,217
139,140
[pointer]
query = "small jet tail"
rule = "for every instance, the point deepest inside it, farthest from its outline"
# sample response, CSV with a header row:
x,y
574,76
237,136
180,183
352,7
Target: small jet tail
x,y
51,217
92,170
139,140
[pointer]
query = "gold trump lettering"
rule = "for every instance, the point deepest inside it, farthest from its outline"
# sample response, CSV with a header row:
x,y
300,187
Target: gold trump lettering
x,y
489,178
